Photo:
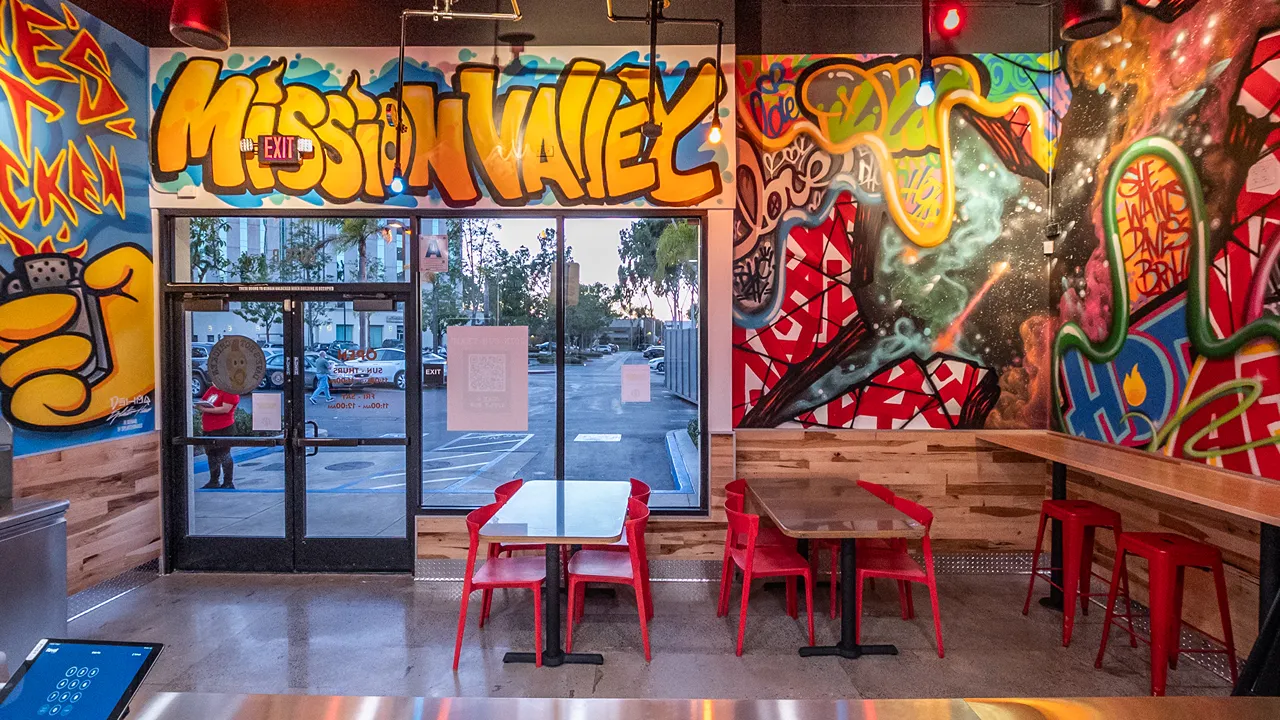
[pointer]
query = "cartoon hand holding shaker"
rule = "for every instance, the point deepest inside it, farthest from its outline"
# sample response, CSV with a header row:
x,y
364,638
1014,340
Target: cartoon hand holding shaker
x,y
76,336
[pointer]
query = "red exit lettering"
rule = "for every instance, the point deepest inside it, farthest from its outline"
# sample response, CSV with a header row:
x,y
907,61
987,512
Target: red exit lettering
x,y
278,150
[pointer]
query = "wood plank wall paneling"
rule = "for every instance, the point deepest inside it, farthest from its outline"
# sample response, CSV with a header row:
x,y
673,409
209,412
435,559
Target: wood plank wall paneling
x,y
113,523
982,497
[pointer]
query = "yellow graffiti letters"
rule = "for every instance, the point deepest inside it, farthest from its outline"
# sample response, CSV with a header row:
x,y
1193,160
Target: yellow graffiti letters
x,y
205,122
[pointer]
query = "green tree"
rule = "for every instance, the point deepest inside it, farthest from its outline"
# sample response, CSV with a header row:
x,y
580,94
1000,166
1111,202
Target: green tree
x,y
208,252
303,259
677,265
356,233
638,260
256,269
586,321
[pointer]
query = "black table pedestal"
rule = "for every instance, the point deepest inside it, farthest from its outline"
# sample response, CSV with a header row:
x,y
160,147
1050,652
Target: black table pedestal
x,y
1058,491
848,646
552,654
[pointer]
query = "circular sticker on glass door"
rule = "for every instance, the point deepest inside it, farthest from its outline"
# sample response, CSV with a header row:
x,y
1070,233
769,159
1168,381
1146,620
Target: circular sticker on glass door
x,y
236,364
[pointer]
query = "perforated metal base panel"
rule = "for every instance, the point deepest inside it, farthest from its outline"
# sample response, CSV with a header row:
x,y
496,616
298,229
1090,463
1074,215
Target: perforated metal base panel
x,y
94,597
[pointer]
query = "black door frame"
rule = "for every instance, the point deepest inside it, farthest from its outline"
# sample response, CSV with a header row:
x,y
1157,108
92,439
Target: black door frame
x,y
172,376
295,551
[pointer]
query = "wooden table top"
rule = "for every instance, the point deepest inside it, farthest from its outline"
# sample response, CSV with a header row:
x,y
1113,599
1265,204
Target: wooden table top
x,y
1231,492
569,512
814,508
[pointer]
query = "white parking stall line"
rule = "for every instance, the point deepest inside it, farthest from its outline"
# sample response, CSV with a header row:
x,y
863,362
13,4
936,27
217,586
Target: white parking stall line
x,y
450,446
447,479
387,487
465,454
456,467
485,466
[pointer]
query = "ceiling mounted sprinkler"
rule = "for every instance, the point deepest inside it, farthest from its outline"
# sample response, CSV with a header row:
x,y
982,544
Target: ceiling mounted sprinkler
x,y
441,9
655,16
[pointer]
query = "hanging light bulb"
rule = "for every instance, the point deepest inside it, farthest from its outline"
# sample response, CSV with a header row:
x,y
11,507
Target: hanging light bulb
x,y
926,93
201,24
713,136
397,185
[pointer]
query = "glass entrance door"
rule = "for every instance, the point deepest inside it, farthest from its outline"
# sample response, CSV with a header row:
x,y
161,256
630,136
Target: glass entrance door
x,y
304,470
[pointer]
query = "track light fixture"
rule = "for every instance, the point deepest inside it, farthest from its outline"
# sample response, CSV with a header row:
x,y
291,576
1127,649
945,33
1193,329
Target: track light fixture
x,y
440,9
655,16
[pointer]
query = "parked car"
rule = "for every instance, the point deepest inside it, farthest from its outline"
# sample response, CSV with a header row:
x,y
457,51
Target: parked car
x,y
613,347
387,366
338,346
199,368
342,375
604,349
658,364
655,351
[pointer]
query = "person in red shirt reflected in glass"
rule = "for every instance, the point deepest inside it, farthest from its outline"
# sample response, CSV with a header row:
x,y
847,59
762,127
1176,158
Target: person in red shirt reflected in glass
x,y
218,418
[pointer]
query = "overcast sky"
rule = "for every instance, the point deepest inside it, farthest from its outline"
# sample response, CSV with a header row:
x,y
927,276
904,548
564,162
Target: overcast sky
x,y
594,242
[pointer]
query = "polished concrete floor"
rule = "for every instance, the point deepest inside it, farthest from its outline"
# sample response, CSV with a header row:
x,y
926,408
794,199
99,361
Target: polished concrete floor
x,y
390,635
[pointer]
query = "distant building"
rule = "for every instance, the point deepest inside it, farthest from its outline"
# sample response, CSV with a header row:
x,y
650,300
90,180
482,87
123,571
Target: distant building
x,y
634,332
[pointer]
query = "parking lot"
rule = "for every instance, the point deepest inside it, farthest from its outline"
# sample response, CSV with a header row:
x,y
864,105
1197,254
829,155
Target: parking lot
x,y
359,491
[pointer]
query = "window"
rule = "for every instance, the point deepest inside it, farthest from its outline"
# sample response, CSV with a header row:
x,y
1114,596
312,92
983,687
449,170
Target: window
x,y
343,333
655,435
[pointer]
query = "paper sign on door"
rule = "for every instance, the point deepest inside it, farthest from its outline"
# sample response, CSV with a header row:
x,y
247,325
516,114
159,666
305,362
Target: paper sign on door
x,y
266,411
635,383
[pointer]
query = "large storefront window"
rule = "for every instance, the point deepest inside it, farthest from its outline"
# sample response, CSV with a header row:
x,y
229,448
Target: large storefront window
x,y
630,285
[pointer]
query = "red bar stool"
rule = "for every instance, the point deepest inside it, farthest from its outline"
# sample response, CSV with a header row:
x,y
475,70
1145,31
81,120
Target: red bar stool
x,y
1079,518
1168,555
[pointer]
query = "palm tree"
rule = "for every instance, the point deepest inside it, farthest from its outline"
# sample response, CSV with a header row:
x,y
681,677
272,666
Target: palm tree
x,y
677,263
356,233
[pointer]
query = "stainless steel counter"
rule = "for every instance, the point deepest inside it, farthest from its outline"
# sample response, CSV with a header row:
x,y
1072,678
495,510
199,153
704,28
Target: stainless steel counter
x,y
33,557
201,706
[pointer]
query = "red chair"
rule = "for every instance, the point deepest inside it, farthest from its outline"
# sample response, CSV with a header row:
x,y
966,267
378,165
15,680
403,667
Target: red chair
x,y
499,573
640,490
768,535
833,547
605,566
503,492
1168,556
1079,518
744,550
897,564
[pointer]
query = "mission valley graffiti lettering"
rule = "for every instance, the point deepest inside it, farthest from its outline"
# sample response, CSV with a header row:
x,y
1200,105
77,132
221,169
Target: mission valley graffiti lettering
x,y
575,134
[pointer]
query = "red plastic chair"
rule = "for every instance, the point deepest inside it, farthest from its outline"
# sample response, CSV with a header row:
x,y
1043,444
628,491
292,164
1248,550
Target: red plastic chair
x,y
503,492
640,490
759,561
606,566
499,573
833,547
897,564
768,535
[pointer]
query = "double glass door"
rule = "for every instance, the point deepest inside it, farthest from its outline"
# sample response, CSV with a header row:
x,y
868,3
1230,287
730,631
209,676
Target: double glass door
x,y
307,471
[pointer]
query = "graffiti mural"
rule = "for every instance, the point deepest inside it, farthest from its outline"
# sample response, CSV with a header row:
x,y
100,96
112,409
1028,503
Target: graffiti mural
x,y
1166,274
887,257
550,128
77,304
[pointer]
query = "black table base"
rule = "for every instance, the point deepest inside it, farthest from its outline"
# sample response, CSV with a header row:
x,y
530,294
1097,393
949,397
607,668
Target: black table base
x,y
552,654
848,646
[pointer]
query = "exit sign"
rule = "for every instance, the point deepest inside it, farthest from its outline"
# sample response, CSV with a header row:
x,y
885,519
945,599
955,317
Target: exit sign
x,y
278,150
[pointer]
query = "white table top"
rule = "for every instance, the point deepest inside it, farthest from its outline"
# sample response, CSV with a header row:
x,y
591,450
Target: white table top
x,y
568,512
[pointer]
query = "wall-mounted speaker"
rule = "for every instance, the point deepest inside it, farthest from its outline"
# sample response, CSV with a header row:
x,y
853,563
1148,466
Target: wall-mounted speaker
x,y
1084,19
201,24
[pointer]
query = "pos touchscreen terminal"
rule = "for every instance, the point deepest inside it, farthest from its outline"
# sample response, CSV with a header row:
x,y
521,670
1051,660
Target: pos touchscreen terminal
x,y
77,679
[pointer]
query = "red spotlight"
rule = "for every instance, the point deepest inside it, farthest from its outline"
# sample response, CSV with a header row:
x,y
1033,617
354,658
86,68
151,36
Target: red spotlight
x,y
948,19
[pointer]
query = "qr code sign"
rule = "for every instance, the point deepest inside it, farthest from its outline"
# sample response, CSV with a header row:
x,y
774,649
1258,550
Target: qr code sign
x,y
487,372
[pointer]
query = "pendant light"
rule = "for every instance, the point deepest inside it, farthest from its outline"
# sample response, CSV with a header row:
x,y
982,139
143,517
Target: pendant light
x,y
201,24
